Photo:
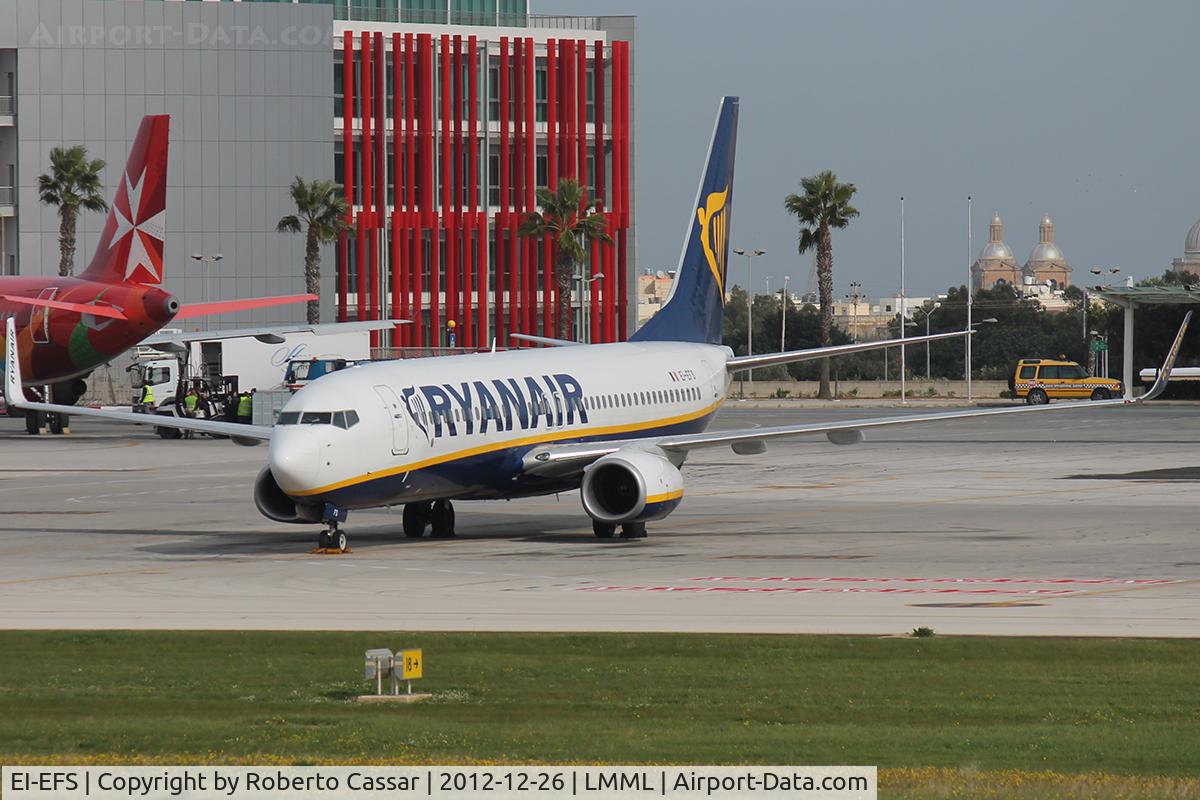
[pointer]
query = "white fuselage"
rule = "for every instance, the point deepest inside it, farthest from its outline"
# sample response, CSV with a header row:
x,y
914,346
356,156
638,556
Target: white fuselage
x,y
458,426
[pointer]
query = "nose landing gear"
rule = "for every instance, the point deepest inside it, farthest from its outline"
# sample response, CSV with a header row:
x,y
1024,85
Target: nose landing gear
x,y
333,539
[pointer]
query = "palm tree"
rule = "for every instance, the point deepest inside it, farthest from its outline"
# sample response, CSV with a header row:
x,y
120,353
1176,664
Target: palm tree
x,y
322,216
72,183
570,222
825,204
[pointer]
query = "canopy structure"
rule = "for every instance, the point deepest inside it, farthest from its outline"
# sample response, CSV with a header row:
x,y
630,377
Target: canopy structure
x,y
1129,298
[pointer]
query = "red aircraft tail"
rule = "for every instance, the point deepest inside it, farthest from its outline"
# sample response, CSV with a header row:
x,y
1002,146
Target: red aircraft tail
x,y
131,247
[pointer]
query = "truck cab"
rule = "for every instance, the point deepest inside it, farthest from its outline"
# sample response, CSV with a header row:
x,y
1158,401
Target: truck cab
x,y
1039,380
303,371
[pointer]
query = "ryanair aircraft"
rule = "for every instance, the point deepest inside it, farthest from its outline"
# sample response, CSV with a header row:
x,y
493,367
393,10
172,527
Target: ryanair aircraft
x,y
616,421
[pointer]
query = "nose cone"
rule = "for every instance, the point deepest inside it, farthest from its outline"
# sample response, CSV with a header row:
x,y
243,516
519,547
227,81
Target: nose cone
x,y
295,458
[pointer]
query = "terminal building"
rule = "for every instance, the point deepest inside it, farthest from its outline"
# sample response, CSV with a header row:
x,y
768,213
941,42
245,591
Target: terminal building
x,y
438,119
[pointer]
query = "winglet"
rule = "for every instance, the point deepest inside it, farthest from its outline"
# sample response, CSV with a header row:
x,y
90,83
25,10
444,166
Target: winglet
x,y
1164,374
14,395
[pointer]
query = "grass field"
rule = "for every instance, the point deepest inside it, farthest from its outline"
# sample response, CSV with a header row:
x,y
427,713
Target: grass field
x,y
934,714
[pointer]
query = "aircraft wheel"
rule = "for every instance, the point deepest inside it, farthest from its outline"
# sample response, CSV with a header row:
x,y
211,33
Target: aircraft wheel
x,y
416,518
323,540
603,530
1037,397
338,540
1100,394
441,519
633,530
34,421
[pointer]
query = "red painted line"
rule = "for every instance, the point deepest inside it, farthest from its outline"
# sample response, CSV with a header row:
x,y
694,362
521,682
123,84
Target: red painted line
x,y
843,579
820,590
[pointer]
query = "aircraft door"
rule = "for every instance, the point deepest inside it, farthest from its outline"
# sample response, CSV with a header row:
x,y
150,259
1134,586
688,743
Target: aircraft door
x,y
39,324
399,424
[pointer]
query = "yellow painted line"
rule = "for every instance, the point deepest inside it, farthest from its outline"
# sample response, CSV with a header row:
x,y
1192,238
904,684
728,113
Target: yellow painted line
x,y
545,438
662,498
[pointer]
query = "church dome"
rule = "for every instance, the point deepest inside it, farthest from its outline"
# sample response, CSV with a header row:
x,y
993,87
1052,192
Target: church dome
x,y
1046,249
1191,245
995,247
995,250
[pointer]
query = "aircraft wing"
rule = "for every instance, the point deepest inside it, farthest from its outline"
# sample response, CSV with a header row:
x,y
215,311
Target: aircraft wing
x,y
559,460
14,395
768,359
162,341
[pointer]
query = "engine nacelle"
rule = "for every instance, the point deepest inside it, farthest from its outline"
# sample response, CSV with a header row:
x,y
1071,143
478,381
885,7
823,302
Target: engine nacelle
x,y
631,486
273,503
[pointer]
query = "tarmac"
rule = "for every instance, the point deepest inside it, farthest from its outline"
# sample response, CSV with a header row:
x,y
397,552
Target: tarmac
x,y
1067,524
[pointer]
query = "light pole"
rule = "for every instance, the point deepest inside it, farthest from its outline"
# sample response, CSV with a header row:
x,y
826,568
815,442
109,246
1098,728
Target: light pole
x,y
855,288
903,315
970,292
758,251
783,314
584,325
928,311
207,259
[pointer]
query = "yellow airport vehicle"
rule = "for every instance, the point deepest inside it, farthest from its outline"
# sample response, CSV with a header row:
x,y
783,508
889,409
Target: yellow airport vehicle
x,y
1040,380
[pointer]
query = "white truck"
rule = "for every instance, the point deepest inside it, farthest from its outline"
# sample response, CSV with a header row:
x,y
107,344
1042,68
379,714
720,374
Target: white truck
x,y
225,367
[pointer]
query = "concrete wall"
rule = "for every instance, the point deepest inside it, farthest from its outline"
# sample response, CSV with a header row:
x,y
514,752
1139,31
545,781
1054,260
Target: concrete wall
x,y
249,89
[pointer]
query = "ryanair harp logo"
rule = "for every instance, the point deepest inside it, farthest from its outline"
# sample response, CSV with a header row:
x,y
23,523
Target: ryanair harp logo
x,y
714,234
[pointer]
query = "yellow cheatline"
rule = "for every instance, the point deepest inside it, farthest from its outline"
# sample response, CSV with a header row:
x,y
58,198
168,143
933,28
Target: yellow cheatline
x,y
545,438
662,498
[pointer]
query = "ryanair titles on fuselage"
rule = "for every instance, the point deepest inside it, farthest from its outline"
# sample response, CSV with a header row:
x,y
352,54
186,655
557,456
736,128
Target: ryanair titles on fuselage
x,y
496,405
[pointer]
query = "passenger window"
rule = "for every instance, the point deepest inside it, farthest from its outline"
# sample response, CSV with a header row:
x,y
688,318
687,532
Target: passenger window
x,y
1072,372
1026,372
1048,373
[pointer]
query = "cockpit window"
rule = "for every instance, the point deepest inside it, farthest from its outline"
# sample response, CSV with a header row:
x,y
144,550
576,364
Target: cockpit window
x,y
342,419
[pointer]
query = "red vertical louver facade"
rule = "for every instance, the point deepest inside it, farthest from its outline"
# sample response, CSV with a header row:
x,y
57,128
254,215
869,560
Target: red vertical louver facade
x,y
445,140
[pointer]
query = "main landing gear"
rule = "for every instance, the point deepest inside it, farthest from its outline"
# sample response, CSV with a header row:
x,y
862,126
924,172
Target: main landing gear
x,y
630,530
437,515
333,539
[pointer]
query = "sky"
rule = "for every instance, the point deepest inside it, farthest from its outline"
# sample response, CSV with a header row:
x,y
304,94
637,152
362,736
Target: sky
x,y
1084,110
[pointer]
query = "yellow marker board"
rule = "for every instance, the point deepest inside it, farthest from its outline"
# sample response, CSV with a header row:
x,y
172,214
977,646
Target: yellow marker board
x,y
411,664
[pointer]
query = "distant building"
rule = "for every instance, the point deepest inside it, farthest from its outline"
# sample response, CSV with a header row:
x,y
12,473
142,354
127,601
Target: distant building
x,y
1046,265
996,264
653,289
1191,251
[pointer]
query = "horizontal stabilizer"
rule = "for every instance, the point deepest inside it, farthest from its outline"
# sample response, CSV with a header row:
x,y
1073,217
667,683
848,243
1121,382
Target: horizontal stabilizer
x,y
229,306
62,305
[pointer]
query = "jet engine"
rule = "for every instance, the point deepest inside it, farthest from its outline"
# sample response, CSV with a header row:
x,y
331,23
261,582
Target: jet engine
x,y
273,503
631,486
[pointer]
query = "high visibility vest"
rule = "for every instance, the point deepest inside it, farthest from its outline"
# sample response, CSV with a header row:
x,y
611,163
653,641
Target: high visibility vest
x,y
190,401
147,394
245,406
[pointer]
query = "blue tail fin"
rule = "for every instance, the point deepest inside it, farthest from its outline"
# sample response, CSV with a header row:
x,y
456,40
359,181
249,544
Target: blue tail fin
x,y
693,310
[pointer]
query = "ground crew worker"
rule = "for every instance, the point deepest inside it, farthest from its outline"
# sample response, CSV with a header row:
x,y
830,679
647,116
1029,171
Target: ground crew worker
x,y
189,410
147,400
245,408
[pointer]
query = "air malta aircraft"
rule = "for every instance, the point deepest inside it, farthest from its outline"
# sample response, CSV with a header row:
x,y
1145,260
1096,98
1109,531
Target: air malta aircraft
x,y
616,421
66,327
